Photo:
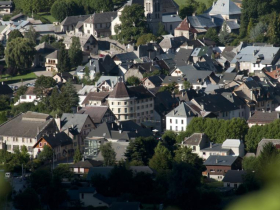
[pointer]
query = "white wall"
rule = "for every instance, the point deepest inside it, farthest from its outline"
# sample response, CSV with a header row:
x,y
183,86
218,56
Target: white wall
x,y
180,126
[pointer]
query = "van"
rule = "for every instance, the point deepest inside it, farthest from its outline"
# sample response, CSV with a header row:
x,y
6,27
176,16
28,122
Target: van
x,y
7,175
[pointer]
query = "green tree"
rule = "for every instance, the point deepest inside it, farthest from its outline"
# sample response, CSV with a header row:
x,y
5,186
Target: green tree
x,y
274,28
161,30
46,154
201,8
31,34
268,155
62,171
27,195
14,34
141,149
133,81
169,140
172,87
77,156
108,153
3,117
42,84
258,32
212,35
4,102
250,164
19,53
184,154
64,64
47,38
224,36
145,38
162,158
75,52
186,10
61,9
133,23
187,84
103,5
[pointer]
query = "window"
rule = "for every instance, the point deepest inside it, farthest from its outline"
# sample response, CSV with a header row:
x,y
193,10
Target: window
x,y
170,120
112,109
228,184
176,121
131,108
119,103
170,128
147,106
88,31
182,121
125,110
170,27
30,140
194,148
125,117
151,111
40,144
125,103
143,113
82,195
151,105
182,129
137,107
112,103
119,110
176,128
131,102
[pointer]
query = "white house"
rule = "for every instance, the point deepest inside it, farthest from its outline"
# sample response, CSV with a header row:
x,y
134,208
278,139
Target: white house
x,y
234,178
28,97
178,119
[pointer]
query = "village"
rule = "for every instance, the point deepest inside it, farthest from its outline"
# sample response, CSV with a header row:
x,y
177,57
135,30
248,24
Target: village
x,y
139,104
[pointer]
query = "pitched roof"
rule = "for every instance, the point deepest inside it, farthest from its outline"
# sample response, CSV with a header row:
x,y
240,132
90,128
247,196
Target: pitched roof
x,y
263,142
215,160
120,91
171,18
44,48
73,20
86,164
181,111
182,56
185,26
53,55
5,89
234,176
156,80
30,91
195,139
95,96
104,17
260,117
57,139
172,42
201,22
95,112
224,7
125,57
73,121
231,143
170,79
25,125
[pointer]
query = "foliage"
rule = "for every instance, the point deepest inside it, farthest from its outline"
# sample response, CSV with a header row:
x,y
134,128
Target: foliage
x,y
58,45
4,102
212,35
224,36
19,53
61,9
141,149
162,159
31,34
103,5
172,87
258,31
187,84
27,195
64,64
14,34
68,98
5,191
108,153
62,171
43,83
2,50
77,156
169,140
161,30
133,81
20,91
145,38
250,163
75,52
3,117
133,23
47,38
23,107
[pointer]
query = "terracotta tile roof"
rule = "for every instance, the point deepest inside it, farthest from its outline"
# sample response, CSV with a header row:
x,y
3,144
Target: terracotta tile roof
x,y
120,91
185,26
274,74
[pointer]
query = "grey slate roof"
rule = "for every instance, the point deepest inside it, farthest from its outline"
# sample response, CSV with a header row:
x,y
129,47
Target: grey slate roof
x,y
201,22
44,48
111,80
215,148
172,42
232,24
170,79
224,7
104,17
95,112
73,20
53,55
182,56
6,3
119,148
263,142
194,139
25,125
76,120
171,18
215,160
86,164
260,117
156,80
124,57
58,139
234,176
181,111
5,89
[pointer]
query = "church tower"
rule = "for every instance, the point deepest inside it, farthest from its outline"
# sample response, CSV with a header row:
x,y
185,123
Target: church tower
x,y
153,13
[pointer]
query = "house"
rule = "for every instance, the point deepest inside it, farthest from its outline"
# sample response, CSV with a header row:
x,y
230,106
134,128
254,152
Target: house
x,y
42,50
88,196
52,61
109,67
254,58
25,129
262,118
86,89
125,206
18,17
179,118
167,64
185,29
107,83
134,103
76,126
28,97
119,134
152,82
170,44
70,22
88,43
218,166
140,70
226,78
183,57
230,147
99,24
125,58
91,68
232,26
61,144
234,178
263,142
41,29
63,77
178,80
196,142
149,50
99,114
170,22
201,54
82,167
226,8
5,90
199,24
95,99
225,105
6,7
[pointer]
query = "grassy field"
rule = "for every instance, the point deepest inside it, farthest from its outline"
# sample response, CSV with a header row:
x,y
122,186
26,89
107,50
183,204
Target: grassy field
x,y
215,184
47,16
182,2
8,79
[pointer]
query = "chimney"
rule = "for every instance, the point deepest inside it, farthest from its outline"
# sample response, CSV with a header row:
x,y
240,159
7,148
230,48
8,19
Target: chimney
x,y
211,144
136,131
120,131
58,122
255,52
193,14
112,125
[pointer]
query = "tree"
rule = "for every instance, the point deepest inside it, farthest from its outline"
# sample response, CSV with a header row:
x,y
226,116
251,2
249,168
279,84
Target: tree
x,y
184,154
133,23
4,102
268,154
64,64
3,117
31,34
2,52
201,8
162,158
108,153
75,52
187,84
27,195
145,38
186,10
62,171
61,9
224,36
42,84
212,35
169,140
133,81
103,5
46,154
258,31
19,53
77,156
14,34
172,87
20,91
250,163
48,39
161,30
141,149
274,28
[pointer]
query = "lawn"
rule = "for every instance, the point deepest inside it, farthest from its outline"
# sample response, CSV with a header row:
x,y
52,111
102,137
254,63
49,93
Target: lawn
x,y
47,16
215,184
182,2
8,79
